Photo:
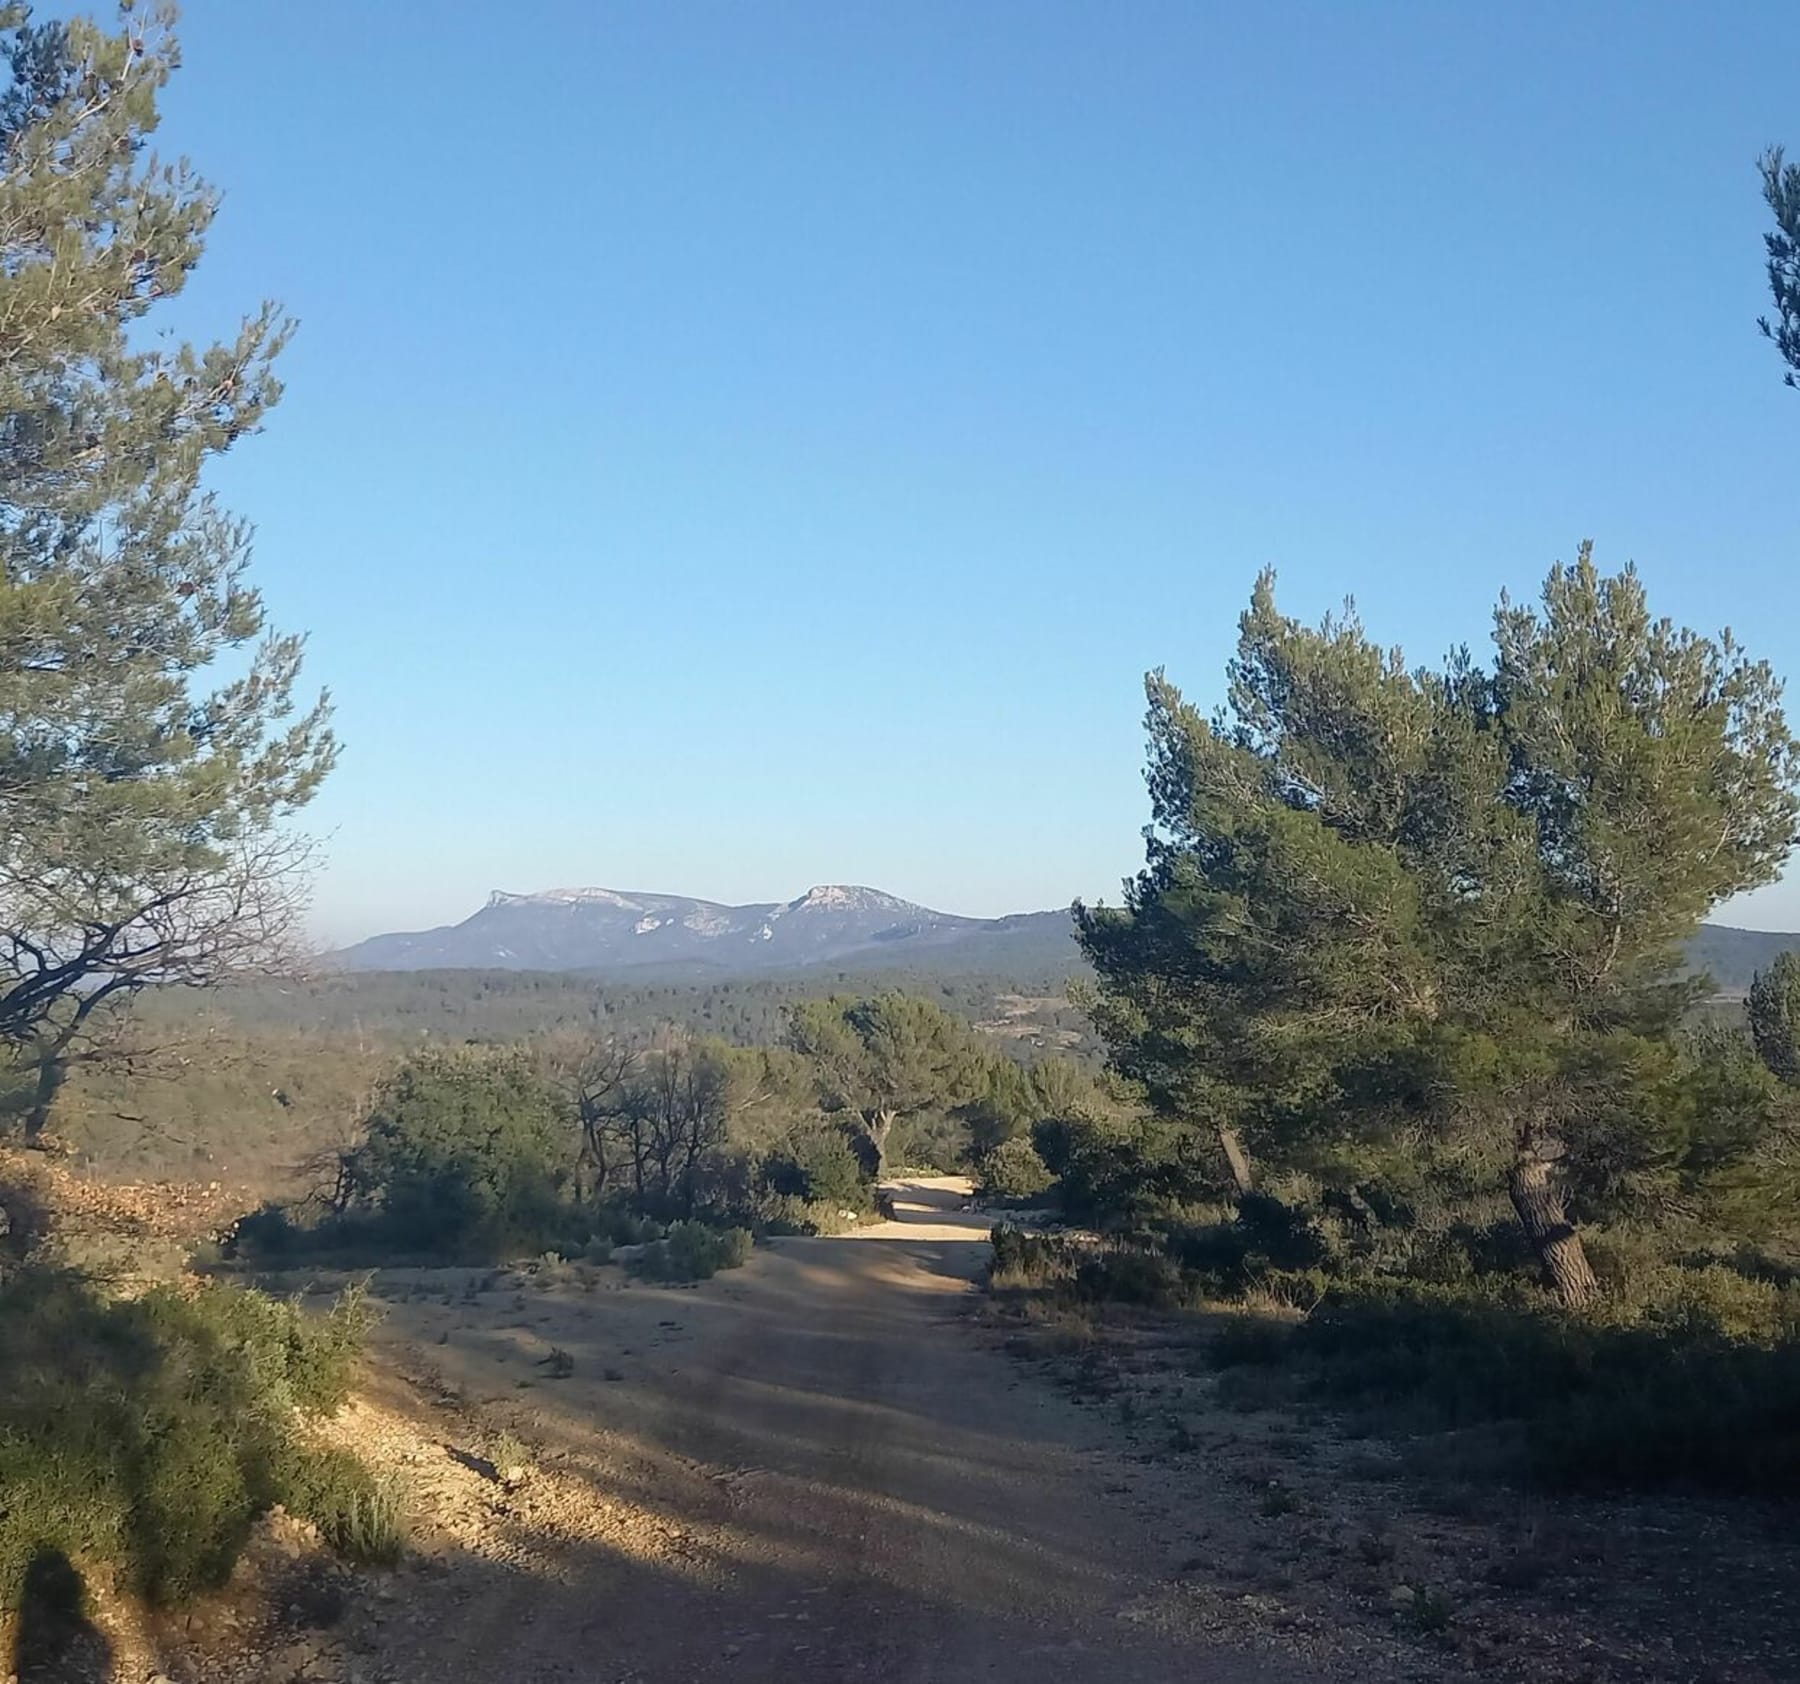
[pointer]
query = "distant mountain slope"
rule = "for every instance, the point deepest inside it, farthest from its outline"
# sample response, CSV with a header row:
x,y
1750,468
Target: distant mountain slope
x,y
1732,957
607,931
675,937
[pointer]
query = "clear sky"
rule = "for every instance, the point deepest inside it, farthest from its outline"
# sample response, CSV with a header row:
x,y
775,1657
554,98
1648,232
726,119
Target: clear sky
x,y
737,446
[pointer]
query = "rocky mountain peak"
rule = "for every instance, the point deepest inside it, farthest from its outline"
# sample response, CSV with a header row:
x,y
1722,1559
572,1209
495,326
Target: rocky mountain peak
x,y
605,931
849,897
565,897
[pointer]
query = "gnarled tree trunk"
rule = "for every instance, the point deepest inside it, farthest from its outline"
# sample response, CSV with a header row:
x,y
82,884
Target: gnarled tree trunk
x,y
1535,1197
877,1126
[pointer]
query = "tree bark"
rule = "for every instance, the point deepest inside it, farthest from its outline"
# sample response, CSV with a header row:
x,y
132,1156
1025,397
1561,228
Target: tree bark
x,y
49,1081
878,1125
1238,1159
1547,1226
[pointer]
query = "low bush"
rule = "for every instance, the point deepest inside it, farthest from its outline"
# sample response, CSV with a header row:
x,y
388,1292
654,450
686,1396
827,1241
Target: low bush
x,y
26,1215
1671,1398
269,1233
1264,1244
691,1251
1123,1177
781,1216
148,1434
1025,1262
815,1164
1141,1276
1013,1170
359,1516
1074,1272
466,1155
1686,1372
465,1151
931,1140
622,1225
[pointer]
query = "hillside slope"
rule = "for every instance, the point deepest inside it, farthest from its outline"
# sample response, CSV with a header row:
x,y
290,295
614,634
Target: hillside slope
x,y
646,938
1732,957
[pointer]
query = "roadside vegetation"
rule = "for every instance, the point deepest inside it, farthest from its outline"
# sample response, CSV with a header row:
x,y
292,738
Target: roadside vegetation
x,y
586,1143
1423,1082
148,1434
155,747
248,1082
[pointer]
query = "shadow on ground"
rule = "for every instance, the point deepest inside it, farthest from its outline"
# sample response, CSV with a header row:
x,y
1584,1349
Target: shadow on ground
x,y
55,1641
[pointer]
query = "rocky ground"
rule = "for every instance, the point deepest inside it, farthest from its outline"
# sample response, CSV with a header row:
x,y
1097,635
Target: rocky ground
x,y
1304,1522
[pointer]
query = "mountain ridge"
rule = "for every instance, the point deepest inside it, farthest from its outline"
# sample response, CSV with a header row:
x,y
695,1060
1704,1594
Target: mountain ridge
x,y
618,932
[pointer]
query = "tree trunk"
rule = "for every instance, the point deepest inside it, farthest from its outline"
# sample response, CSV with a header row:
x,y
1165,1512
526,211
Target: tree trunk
x,y
1549,1229
637,1160
343,1185
1238,1159
879,1125
24,1217
49,1080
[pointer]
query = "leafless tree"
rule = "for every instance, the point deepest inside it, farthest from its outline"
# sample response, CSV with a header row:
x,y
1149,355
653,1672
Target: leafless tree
x,y
77,945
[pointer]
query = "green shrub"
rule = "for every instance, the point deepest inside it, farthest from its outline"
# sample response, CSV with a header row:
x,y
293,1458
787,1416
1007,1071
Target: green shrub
x,y
1127,1274
466,1151
1030,1262
735,1247
933,1140
784,1214
815,1164
287,1359
779,1215
1013,1170
269,1232
359,1516
655,1263
1673,1398
27,1219
1259,1235
691,1251
149,1434
1123,1177
625,1226
465,1155
508,1453
1146,1277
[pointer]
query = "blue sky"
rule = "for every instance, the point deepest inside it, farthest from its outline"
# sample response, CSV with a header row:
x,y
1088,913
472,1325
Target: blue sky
x,y
731,447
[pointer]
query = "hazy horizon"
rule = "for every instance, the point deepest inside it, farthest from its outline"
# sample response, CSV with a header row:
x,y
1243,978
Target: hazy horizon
x,y
1741,914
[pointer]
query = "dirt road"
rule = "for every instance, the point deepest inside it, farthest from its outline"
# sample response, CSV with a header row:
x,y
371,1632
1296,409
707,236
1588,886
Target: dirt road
x,y
815,1468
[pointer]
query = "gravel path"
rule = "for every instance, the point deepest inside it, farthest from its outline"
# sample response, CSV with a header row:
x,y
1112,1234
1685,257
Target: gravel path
x,y
815,1468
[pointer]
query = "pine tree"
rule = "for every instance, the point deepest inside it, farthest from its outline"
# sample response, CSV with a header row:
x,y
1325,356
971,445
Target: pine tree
x,y
885,1058
1445,907
143,793
1781,191
1773,1010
